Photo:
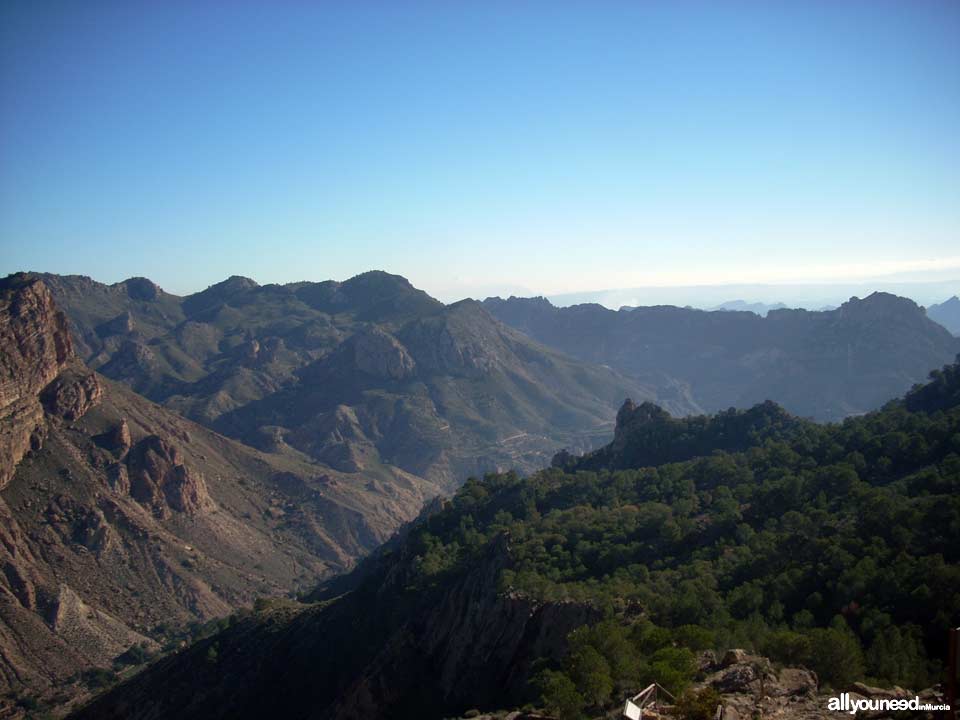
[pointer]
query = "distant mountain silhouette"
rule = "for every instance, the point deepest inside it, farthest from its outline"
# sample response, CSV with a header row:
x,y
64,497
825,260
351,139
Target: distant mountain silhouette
x,y
827,365
759,308
947,314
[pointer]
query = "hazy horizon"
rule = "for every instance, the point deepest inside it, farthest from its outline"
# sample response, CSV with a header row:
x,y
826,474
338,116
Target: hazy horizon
x,y
705,297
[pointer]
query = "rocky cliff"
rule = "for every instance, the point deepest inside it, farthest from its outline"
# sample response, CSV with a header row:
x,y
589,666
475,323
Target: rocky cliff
x,y
36,347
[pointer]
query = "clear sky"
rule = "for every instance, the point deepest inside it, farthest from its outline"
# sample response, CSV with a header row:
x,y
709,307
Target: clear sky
x,y
480,147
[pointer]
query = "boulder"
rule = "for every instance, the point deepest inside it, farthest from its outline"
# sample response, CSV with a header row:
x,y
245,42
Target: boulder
x,y
71,395
730,657
159,478
737,678
118,438
794,682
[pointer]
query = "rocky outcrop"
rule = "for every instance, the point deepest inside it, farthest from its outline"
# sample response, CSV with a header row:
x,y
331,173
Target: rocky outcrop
x,y
99,636
71,395
122,324
740,672
477,645
118,439
141,288
159,479
378,353
132,360
646,435
462,340
750,685
34,347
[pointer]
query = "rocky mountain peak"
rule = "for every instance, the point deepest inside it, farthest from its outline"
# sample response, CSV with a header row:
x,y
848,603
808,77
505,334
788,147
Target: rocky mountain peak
x,y
631,414
880,304
141,288
463,338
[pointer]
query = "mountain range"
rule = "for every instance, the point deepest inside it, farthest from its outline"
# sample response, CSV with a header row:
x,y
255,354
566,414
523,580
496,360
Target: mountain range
x,y
827,365
130,518
167,461
362,375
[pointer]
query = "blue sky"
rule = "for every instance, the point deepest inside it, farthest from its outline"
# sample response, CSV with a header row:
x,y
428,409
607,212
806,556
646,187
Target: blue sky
x,y
543,147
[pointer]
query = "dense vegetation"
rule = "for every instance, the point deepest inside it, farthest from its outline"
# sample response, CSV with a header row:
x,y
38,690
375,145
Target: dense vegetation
x,y
832,546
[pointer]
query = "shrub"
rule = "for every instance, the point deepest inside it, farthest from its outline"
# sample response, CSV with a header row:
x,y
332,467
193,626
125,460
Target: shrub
x,y
698,705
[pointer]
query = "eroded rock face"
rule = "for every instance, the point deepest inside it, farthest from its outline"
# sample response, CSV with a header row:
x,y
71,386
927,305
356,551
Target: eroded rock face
x,y
477,645
119,478
457,342
122,324
94,633
34,347
71,395
158,478
749,683
118,439
132,359
378,353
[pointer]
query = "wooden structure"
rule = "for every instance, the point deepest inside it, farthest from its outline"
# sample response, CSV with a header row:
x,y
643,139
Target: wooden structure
x,y
646,704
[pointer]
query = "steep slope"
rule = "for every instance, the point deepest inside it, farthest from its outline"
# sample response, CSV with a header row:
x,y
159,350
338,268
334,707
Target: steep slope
x,y
826,365
362,375
947,314
122,522
450,394
831,546
236,341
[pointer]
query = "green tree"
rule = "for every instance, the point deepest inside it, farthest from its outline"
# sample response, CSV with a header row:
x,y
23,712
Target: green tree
x,y
560,696
590,672
836,655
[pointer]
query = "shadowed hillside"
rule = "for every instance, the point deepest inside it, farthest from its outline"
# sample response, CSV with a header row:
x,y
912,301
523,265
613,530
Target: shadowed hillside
x,y
361,375
825,365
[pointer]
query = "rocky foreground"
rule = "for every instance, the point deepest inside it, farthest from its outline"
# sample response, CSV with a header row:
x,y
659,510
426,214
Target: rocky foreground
x,y
750,686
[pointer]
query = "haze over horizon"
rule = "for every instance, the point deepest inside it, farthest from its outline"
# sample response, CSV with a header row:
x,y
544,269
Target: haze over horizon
x,y
485,150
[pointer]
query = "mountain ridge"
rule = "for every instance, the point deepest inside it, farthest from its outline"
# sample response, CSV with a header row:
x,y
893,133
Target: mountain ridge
x,y
822,364
236,354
